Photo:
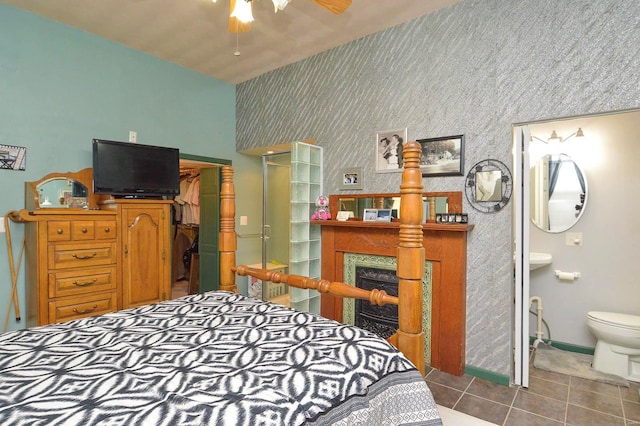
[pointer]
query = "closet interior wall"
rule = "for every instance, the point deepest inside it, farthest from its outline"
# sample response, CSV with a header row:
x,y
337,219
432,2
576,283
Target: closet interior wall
x,y
185,259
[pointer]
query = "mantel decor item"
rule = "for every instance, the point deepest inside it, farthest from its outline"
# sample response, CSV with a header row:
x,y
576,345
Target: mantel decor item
x,y
488,186
351,178
442,156
452,218
370,215
389,145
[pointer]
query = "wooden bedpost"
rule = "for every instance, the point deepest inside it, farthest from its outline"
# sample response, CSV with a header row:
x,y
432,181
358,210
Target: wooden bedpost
x,y
227,240
410,337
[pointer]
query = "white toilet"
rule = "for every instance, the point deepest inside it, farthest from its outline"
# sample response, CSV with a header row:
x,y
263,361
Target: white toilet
x,y
618,347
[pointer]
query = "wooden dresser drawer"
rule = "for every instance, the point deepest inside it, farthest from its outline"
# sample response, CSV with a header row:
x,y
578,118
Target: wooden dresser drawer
x,y
82,230
80,307
59,230
105,229
81,281
81,254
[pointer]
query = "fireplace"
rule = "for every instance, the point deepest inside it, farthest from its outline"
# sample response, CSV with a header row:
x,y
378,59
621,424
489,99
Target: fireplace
x,y
381,320
352,262
445,245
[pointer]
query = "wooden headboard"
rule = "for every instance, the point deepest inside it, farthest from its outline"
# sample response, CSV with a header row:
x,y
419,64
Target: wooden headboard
x,y
409,338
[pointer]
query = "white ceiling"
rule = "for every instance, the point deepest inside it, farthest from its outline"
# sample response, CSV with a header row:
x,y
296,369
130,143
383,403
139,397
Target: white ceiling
x,y
193,33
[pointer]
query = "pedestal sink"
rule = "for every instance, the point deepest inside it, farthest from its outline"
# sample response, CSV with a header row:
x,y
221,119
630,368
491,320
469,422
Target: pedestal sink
x,y
538,260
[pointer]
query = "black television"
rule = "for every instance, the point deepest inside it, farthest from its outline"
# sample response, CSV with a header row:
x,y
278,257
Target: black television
x,y
131,170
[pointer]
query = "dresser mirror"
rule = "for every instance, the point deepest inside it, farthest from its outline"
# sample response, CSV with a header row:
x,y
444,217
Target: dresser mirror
x,y
61,191
558,193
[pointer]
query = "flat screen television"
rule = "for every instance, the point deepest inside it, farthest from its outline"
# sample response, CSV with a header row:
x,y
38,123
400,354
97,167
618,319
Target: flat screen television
x,y
131,170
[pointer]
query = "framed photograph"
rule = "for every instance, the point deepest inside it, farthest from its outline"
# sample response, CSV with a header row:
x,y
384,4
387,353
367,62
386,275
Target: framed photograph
x,y
389,146
442,156
383,215
351,178
344,215
370,215
13,157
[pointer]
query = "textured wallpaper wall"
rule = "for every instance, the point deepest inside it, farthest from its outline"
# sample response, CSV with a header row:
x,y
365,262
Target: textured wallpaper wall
x,y
474,69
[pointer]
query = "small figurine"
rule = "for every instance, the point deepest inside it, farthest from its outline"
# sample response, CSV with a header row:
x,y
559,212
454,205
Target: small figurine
x,y
322,209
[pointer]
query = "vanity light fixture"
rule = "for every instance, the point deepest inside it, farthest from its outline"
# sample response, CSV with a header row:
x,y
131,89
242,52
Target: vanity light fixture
x,y
554,138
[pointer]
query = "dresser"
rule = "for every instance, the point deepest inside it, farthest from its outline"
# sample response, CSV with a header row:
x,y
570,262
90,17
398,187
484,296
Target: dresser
x,y
88,256
72,268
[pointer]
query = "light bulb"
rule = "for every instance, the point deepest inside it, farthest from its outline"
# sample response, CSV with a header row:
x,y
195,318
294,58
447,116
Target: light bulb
x,y
242,11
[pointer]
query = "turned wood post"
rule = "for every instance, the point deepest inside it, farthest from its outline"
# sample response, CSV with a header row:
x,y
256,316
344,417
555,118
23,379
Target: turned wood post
x,y
227,238
411,259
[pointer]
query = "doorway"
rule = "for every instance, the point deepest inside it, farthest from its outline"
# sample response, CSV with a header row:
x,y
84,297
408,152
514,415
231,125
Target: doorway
x,y
195,264
276,190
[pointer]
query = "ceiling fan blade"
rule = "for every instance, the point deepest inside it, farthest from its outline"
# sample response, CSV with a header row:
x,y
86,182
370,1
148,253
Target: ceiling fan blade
x,y
236,26
335,6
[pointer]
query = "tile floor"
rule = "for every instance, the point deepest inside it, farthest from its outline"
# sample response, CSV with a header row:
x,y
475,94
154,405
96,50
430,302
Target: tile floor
x,y
551,399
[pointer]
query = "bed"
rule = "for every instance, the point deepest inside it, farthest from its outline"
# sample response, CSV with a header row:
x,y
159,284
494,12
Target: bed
x,y
226,359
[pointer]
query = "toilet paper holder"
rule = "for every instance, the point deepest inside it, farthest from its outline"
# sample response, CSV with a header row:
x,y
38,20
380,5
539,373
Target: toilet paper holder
x,y
567,276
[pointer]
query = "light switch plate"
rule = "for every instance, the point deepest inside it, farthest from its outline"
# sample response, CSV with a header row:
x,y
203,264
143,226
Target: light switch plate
x,y
573,239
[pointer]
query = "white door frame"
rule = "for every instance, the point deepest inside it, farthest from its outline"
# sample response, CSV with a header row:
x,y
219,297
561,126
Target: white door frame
x,y
521,138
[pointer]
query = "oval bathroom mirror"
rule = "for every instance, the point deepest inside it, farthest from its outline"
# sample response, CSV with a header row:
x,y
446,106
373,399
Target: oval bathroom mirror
x,y
62,193
558,193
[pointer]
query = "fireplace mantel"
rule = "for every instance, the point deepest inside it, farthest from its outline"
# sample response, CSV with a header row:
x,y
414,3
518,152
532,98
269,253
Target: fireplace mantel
x,y
445,247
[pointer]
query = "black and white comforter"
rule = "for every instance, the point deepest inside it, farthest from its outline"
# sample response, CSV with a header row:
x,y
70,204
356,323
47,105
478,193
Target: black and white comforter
x,y
218,358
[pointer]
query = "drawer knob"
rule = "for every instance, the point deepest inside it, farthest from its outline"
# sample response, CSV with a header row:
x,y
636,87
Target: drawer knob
x,y
107,229
60,231
85,283
84,230
85,311
89,256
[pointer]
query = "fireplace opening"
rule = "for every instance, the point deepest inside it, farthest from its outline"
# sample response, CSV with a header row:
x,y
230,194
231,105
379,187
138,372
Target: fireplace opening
x,y
381,320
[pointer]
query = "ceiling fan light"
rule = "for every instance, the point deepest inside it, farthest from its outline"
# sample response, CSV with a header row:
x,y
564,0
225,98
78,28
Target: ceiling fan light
x,y
279,4
242,11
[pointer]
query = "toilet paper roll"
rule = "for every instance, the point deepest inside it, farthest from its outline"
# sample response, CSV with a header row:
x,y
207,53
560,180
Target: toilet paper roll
x,y
566,276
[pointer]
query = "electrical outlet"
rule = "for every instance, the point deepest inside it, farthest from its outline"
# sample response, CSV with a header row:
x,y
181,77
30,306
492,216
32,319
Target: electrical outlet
x,y
243,220
2,230
133,136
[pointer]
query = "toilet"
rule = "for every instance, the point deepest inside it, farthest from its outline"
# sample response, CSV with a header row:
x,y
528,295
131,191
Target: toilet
x,y
618,347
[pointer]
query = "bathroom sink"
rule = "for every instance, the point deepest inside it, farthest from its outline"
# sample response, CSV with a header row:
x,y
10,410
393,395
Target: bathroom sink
x,y
538,260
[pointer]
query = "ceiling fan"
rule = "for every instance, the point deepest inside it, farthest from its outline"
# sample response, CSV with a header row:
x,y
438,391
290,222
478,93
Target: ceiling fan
x,y
237,25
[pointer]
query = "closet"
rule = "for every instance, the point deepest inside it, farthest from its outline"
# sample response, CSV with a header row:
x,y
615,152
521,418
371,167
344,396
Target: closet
x,y
195,227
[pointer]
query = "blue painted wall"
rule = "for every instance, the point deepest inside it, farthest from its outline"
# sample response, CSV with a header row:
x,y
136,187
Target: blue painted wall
x,y
61,87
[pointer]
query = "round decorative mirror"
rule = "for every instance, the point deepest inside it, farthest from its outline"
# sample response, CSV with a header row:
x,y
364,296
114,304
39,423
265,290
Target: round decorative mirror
x,y
558,193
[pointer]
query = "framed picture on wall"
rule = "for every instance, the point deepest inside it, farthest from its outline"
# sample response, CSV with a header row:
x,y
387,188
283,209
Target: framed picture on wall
x,y
389,144
351,178
442,156
13,157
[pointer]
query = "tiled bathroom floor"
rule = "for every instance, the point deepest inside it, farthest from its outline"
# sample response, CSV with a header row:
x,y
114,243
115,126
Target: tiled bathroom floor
x,y
551,399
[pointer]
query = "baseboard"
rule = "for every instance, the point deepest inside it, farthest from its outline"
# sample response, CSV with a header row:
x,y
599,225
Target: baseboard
x,y
489,376
501,379
569,347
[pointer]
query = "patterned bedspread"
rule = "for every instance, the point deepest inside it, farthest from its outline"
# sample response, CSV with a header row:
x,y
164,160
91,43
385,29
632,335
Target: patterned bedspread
x,y
217,358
